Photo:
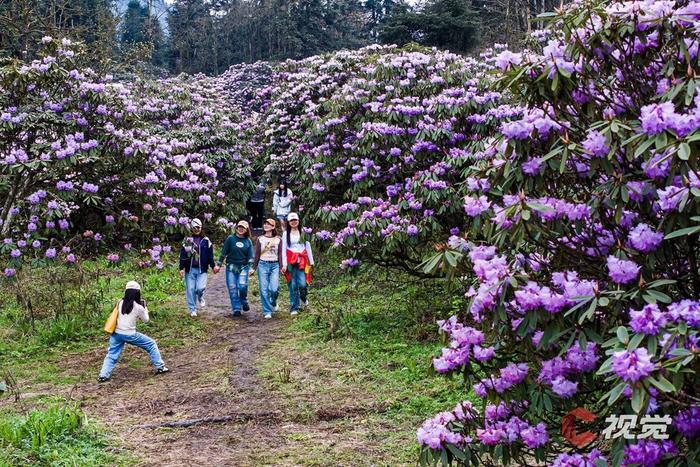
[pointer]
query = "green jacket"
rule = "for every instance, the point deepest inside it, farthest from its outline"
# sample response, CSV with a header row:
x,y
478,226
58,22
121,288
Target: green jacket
x,y
238,252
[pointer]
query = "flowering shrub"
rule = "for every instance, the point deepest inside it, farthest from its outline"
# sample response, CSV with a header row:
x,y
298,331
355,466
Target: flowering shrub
x,y
86,160
586,295
567,178
376,139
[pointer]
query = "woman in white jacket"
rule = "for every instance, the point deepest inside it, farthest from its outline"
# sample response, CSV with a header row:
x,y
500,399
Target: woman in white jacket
x,y
282,203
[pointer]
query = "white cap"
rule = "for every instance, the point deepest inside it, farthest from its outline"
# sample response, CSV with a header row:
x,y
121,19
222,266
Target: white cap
x,y
133,285
195,223
292,216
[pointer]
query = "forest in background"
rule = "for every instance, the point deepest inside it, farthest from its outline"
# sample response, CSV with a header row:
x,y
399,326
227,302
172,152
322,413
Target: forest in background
x,y
208,36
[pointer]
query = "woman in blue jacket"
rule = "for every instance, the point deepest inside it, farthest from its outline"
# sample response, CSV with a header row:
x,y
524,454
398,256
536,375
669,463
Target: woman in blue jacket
x,y
196,257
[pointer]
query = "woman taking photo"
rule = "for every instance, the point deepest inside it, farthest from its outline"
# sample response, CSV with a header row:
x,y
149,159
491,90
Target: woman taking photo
x,y
131,309
282,203
238,253
297,263
267,261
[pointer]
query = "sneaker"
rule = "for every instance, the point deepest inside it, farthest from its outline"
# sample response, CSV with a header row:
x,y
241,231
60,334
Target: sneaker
x,y
294,312
277,308
306,302
246,307
103,379
202,303
193,314
161,370
268,316
237,313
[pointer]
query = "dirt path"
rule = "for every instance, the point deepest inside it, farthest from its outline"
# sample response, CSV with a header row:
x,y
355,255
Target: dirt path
x,y
218,376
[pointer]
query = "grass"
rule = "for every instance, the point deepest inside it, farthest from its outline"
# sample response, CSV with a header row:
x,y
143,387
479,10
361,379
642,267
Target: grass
x,y
58,435
35,346
32,349
367,341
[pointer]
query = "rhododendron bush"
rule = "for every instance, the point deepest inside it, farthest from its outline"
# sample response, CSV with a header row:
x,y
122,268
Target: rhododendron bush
x,y
567,176
377,137
86,160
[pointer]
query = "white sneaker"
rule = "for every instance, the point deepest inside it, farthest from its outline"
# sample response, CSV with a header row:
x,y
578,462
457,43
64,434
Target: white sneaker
x,y
306,302
294,313
193,314
268,316
202,303
277,307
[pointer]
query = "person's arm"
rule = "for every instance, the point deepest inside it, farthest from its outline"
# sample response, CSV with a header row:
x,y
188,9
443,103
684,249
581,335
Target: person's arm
x,y
256,256
308,252
183,258
279,253
144,314
212,263
224,251
251,254
284,251
275,202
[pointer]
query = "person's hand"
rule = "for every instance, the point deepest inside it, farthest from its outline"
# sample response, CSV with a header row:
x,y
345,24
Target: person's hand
x,y
284,269
182,273
313,268
216,269
251,272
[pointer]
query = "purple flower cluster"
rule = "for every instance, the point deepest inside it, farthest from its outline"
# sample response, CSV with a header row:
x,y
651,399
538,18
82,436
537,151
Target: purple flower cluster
x,y
579,460
557,371
633,365
622,271
648,453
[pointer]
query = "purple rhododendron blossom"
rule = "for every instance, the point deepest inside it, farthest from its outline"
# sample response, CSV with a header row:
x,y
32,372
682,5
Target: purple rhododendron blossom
x,y
632,365
622,271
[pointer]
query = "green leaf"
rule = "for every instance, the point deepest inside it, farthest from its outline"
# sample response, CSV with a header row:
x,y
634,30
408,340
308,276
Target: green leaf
x,y
660,282
682,232
459,454
638,400
614,394
622,335
660,296
662,384
589,312
684,151
635,341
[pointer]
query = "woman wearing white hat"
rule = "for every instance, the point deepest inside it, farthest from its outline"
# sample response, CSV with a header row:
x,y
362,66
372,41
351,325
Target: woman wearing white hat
x,y
297,263
196,257
238,253
131,309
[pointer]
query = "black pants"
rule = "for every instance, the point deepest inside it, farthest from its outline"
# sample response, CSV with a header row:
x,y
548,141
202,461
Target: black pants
x,y
257,214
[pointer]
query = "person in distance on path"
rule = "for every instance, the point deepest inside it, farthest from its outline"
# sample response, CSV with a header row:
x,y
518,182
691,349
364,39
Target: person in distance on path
x,y
282,203
238,253
267,261
131,309
297,263
196,257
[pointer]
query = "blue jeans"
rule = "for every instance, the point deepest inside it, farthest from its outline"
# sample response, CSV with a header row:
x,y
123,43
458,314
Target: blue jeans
x,y
269,281
237,284
116,346
195,283
297,287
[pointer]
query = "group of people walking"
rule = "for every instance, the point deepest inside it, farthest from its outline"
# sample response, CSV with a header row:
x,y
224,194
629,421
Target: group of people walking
x,y
241,257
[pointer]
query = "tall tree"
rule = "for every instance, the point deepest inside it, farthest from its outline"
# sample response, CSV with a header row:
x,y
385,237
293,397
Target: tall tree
x,y
447,24
24,22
